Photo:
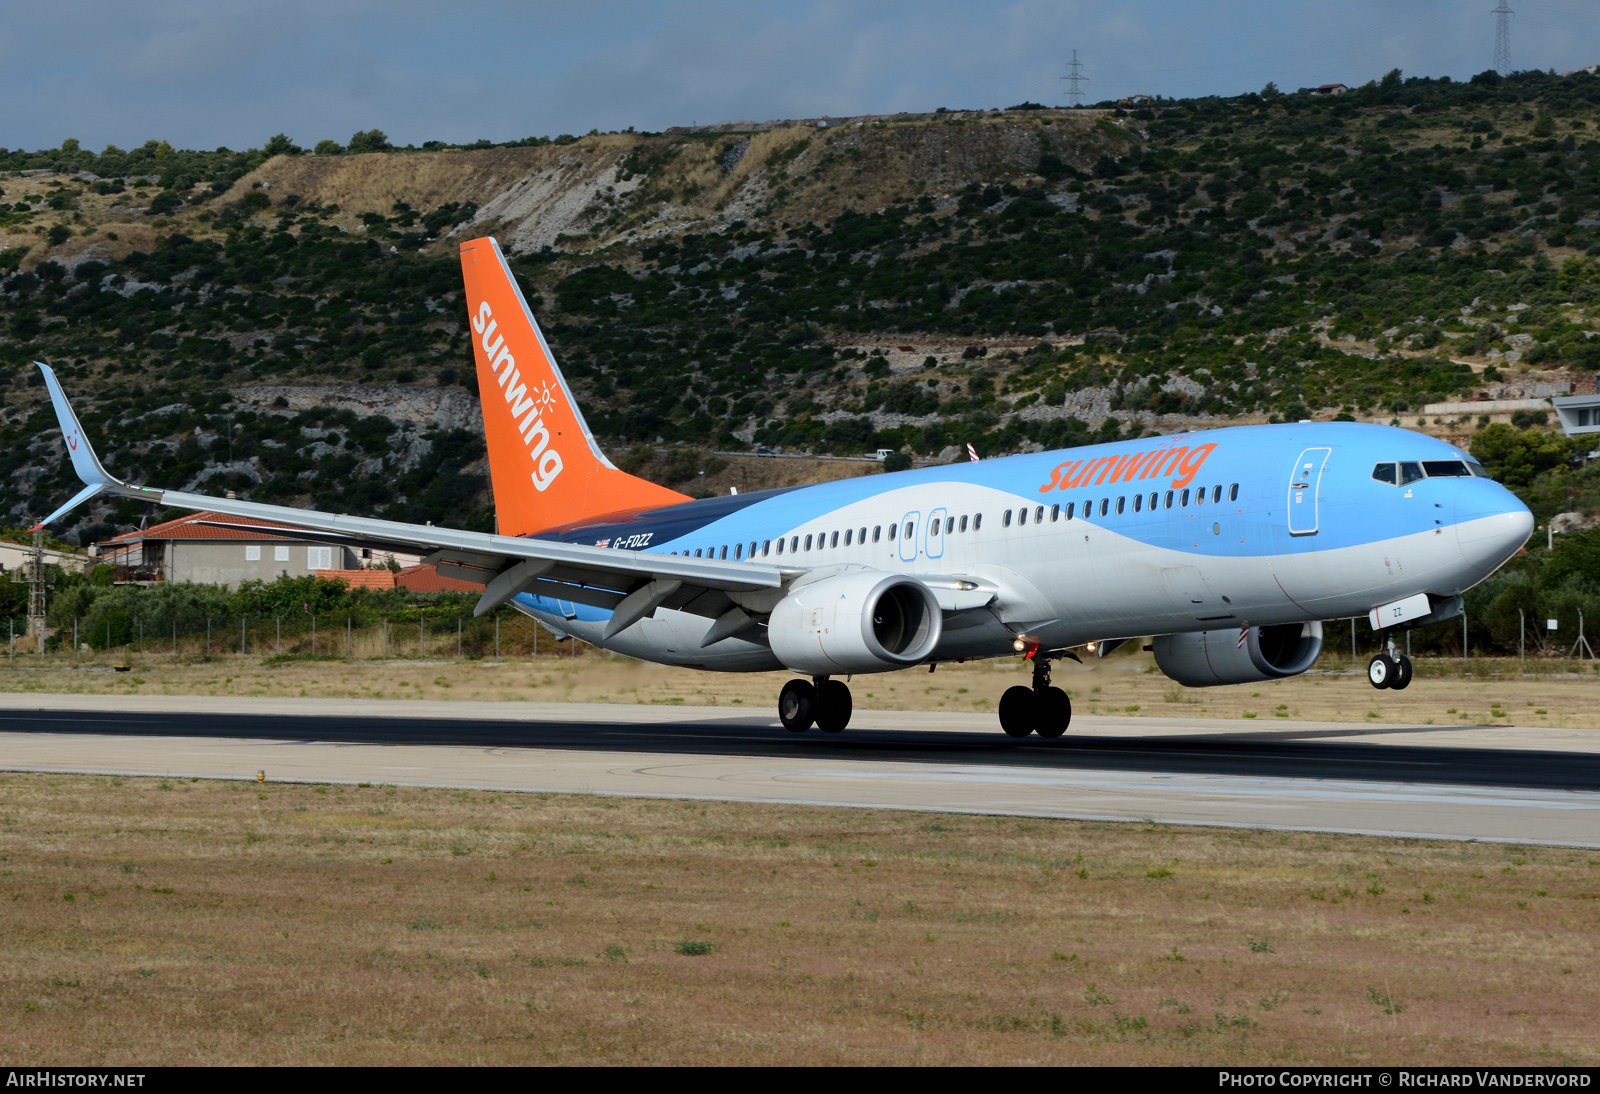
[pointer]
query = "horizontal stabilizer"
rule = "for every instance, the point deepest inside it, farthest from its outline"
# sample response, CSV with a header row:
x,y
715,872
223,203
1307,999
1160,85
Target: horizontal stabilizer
x,y
77,499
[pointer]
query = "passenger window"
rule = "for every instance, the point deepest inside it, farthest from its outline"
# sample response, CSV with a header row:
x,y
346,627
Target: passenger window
x,y
697,552
738,551
977,522
1200,496
808,543
933,529
911,526
1055,513
1070,507
752,548
876,528
1121,504
1005,519
834,541
949,525
862,536
780,546
1184,501
892,529
1105,506
847,534
724,551
1038,514
1216,494
1138,503
1233,492
963,524
1022,515
766,547
794,544
1410,473
1384,472
1169,499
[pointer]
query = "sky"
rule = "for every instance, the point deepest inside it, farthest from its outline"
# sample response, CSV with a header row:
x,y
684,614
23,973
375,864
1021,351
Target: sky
x,y
209,73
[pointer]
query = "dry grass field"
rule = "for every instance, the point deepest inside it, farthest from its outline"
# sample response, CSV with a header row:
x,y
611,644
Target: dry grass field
x,y
173,922
1555,694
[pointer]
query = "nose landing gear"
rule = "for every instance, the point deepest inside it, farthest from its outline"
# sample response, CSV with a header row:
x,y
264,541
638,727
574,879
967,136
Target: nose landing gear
x,y
1390,670
825,703
1041,709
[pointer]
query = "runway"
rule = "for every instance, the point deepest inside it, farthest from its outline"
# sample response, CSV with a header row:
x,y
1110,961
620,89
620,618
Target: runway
x,y
1458,782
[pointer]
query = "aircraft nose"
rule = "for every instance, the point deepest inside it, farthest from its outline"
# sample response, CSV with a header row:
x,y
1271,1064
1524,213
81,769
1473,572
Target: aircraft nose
x,y
1488,541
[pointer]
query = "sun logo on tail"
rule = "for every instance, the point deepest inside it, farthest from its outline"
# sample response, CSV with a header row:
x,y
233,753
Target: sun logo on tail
x,y
545,399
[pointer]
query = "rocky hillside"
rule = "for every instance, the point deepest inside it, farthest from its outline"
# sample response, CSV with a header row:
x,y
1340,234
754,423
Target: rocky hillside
x,y
290,326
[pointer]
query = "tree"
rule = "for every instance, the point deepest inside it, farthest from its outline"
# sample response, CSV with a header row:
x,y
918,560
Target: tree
x,y
1514,457
1391,80
281,145
369,140
58,235
328,148
164,203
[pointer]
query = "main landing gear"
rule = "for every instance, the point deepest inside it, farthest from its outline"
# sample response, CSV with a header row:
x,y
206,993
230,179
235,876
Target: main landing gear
x,y
1390,670
822,702
1041,709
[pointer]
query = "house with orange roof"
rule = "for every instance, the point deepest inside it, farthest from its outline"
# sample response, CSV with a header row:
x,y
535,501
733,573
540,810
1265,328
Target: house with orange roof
x,y
212,549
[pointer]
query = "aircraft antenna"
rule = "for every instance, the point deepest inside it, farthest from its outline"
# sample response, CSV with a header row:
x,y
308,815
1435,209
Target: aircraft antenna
x,y
1502,38
1075,77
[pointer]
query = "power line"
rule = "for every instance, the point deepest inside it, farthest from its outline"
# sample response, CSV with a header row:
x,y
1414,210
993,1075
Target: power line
x,y
1076,77
1502,38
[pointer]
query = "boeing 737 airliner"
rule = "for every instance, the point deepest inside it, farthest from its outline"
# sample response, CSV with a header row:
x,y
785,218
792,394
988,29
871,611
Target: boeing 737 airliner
x,y
1230,546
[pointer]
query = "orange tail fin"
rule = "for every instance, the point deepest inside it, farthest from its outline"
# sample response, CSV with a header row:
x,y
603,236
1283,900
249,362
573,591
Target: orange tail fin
x,y
543,462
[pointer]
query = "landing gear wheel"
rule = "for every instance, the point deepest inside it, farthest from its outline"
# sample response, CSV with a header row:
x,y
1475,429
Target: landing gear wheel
x,y
797,705
1402,676
833,707
1053,712
1018,711
1381,671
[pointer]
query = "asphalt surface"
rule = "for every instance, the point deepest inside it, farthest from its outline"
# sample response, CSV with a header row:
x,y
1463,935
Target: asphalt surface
x,y
1321,776
1286,754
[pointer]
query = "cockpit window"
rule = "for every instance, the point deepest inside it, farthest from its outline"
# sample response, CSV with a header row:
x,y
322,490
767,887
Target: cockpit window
x,y
1403,474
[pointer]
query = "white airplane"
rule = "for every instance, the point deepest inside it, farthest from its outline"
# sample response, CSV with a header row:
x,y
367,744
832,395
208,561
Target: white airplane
x,y
1231,546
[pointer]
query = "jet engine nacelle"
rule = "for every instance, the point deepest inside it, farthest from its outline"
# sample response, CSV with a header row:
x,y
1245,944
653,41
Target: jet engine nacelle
x,y
866,621
1202,659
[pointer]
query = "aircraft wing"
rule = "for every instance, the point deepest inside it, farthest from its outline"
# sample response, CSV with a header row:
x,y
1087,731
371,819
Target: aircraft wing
x,y
624,581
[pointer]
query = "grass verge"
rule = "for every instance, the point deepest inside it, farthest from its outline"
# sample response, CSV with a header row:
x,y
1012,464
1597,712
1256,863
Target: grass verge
x,y
162,921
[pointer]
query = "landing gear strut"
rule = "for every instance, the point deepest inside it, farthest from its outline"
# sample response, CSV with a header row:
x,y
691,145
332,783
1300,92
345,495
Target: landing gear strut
x,y
1041,709
1390,669
824,702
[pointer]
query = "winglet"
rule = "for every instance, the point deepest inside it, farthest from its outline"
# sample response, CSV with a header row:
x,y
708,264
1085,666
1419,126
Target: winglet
x,y
96,479
84,461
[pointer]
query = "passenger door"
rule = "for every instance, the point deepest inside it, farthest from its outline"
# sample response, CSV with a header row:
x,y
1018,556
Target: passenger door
x,y
1305,491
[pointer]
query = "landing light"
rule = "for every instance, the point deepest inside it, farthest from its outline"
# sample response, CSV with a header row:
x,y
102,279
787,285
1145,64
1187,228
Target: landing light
x,y
1089,646
1019,645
